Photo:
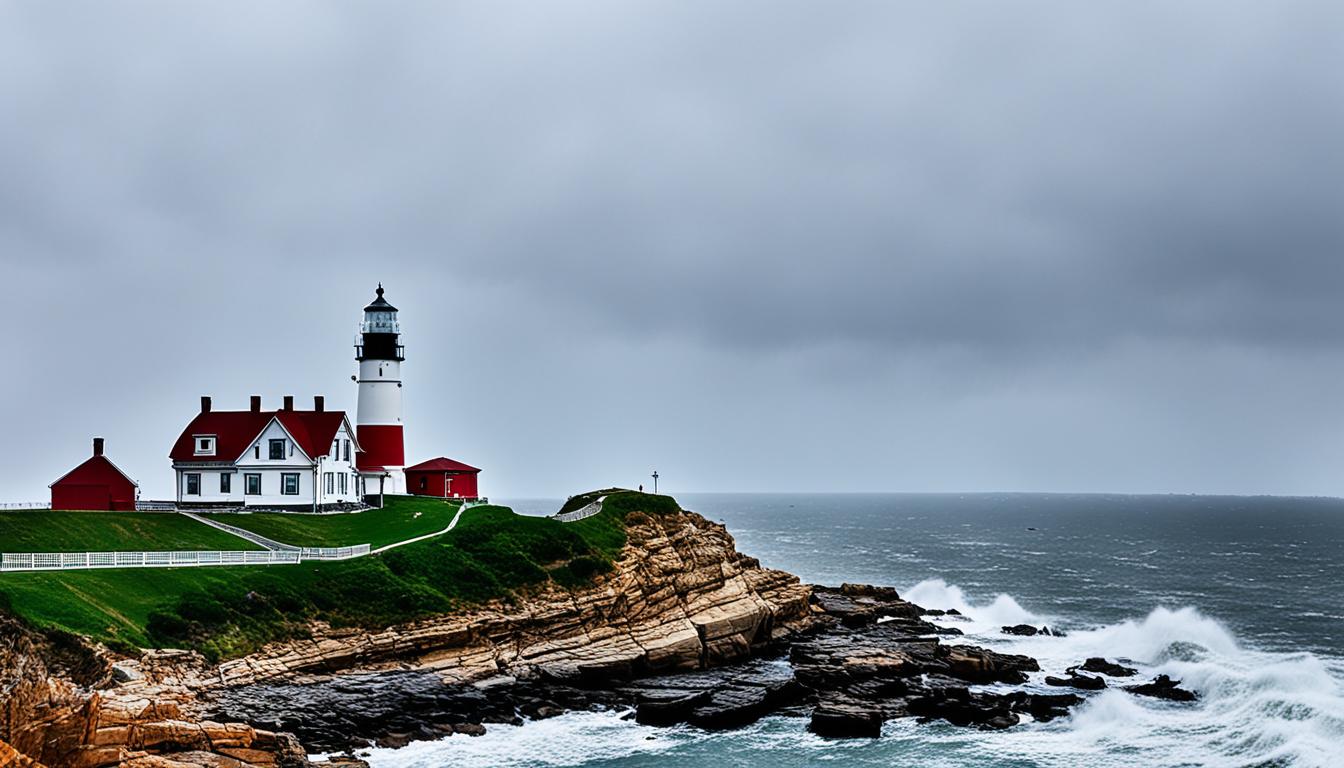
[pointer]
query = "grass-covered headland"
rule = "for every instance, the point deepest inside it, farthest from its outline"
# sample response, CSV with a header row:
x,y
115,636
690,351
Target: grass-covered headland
x,y
230,611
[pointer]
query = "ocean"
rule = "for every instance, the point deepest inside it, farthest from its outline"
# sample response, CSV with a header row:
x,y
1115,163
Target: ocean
x,y
1241,598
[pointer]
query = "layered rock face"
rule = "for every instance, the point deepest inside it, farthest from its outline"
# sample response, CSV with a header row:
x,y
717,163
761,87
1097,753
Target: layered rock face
x,y
681,598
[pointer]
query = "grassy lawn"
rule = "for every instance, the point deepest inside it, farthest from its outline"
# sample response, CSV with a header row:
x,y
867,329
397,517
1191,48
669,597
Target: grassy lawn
x,y
230,611
403,517
48,531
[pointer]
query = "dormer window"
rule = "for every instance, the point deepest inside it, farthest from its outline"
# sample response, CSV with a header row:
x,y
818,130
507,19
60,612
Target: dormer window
x,y
205,445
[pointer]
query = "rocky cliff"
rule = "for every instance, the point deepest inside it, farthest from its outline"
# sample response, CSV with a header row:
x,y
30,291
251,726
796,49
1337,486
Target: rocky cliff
x,y
681,598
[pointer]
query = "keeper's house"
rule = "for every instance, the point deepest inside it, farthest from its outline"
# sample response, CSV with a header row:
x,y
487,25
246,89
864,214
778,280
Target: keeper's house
x,y
285,459
97,484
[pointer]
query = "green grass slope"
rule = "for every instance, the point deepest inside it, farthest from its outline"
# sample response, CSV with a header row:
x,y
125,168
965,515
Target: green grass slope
x,y
403,517
230,611
49,531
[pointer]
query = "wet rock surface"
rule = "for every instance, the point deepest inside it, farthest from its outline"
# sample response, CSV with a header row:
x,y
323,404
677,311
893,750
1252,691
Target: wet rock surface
x,y
870,658
1163,687
1104,667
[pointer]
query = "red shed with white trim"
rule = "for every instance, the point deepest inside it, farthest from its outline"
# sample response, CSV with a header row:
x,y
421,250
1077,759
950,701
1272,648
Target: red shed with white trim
x,y
97,484
442,477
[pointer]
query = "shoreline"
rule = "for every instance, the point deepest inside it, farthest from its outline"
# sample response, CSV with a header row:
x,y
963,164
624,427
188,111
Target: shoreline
x,y
667,633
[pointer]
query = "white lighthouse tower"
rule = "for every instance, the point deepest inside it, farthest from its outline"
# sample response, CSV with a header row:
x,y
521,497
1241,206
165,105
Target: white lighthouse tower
x,y
378,419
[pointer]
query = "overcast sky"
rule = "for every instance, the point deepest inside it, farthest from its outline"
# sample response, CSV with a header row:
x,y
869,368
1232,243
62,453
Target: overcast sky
x,y
752,245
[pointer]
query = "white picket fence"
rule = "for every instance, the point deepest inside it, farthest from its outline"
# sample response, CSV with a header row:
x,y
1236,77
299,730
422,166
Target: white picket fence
x,y
61,561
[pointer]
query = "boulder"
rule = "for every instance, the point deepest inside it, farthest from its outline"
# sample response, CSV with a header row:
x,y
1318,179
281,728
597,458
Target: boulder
x,y
1102,666
1163,687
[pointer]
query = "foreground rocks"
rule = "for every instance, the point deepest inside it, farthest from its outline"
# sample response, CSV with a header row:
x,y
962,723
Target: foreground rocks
x,y
866,657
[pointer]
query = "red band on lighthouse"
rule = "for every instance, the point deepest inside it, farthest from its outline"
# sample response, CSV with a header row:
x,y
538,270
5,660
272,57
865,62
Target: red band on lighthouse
x,y
382,446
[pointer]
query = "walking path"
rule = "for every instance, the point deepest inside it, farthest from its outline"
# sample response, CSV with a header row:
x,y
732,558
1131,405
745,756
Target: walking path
x,y
242,533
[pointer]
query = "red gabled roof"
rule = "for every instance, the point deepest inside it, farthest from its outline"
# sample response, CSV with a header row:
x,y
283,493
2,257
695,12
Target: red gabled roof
x,y
234,431
442,464
312,430
96,470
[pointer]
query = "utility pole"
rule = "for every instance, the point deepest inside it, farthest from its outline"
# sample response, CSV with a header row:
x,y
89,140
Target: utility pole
x,y
655,481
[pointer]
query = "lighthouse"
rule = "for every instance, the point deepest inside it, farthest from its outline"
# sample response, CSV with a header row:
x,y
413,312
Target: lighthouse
x,y
378,424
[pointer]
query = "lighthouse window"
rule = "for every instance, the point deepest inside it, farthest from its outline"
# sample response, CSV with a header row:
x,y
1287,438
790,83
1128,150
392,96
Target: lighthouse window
x,y
330,479
347,450
253,483
193,483
343,485
225,482
278,451
205,446
289,483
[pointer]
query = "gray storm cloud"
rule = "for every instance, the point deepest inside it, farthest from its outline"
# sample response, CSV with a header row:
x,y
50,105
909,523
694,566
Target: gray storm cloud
x,y
756,246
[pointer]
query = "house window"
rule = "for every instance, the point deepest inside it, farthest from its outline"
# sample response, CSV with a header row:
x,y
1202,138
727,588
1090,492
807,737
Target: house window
x,y
343,486
335,450
424,483
278,451
289,483
330,479
253,483
193,483
256,451
205,445
347,450
226,482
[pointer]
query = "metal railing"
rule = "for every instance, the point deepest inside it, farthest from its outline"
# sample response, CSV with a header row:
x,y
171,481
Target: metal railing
x,y
586,511
333,553
155,506
25,505
62,561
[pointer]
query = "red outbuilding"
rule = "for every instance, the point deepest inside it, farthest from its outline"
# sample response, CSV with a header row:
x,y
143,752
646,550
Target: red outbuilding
x,y
444,478
97,484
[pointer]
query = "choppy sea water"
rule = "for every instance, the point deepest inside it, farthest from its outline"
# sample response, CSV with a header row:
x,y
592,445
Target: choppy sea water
x,y
1241,598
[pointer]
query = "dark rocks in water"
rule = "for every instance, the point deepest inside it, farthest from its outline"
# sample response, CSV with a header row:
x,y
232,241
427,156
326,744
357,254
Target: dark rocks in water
x,y
846,721
1102,666
872,659
953,612
1075,680
1045,707
1026,630
979,665
668,710
1163,688
743,704
857,605
957,705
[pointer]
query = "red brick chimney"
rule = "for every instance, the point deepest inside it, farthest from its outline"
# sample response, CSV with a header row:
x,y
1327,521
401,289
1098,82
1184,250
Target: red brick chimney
x,y
205,403
319,403
97,446
256,403
289,403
